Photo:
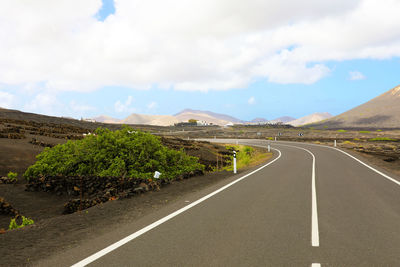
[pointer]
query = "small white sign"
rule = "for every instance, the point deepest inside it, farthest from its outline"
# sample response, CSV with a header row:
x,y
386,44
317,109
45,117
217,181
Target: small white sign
x,y
157,174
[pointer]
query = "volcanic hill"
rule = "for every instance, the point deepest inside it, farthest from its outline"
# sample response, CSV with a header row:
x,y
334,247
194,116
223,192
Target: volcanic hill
x,y
382,112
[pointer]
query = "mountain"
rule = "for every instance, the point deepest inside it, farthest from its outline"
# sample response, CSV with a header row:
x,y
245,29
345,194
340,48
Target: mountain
x,y
166,120
381,112
106,119
160,120
315,117
203,113
258,120
283,119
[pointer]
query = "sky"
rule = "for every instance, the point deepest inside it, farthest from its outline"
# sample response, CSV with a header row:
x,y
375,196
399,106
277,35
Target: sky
x,y
247,59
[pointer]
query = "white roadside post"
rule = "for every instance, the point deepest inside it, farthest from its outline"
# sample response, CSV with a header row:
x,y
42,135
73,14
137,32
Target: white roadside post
x,y
275,138
334,143
269,148
234,162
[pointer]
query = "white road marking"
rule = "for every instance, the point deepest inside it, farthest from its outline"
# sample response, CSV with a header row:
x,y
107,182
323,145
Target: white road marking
x,y
314,209
356,159
316,265
366,165
129,238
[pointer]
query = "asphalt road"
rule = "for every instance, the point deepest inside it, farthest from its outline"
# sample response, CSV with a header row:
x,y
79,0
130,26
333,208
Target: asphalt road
x,y
280,215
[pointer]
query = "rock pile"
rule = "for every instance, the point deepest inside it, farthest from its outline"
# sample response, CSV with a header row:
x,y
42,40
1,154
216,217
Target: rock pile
x,y
7,209
6,180
34,141
89,191
210,155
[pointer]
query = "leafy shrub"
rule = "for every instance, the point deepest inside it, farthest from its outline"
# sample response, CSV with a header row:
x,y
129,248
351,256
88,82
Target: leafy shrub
x,y
244,156
121,153
349,143
341,131
25,222
248,150
364,131
12,176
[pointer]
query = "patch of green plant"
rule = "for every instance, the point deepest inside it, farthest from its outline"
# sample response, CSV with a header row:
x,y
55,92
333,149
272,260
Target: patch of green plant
x,y
12,176
379,130
123,152
364,131
15,225
270,138
341,131
382,139
244,156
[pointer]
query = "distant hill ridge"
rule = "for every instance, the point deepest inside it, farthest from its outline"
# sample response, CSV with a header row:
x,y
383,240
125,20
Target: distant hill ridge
x,y
183,116
312,118
382,111
212,114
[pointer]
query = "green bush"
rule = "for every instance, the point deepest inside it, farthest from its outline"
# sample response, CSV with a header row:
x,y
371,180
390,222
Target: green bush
x,y
341,131
12,176
121,153
243,156
364,131
25,222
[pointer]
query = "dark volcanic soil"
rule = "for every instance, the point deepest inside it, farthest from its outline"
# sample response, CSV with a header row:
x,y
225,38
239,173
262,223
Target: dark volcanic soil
x,y
24,135
53,232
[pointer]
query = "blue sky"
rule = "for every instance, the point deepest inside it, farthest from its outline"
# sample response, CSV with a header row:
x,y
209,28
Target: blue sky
x,y
334,94
117,61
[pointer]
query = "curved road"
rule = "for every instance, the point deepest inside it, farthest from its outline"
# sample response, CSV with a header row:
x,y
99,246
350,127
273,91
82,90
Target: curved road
x,y
311,206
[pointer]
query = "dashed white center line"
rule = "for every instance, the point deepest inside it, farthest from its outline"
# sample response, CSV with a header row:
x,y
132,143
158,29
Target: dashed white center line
x,y
316,265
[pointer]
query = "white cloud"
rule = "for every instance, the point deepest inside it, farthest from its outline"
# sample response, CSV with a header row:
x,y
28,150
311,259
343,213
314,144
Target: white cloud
x,y
356,75
189,45
45,103
251,100
124,107
81,108
6,100
152,105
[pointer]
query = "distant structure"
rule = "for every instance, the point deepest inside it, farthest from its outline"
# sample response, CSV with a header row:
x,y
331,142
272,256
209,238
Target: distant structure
x,y
193,122
203,123
182,124
88,120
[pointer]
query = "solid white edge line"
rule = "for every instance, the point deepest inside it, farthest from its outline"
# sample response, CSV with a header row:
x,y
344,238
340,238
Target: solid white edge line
x,y
356,159
140,232
314,206
366,165
316,265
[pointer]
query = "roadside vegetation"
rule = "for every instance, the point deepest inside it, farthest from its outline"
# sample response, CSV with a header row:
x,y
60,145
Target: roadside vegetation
x,y
122,153
15,225
383,139
246,156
